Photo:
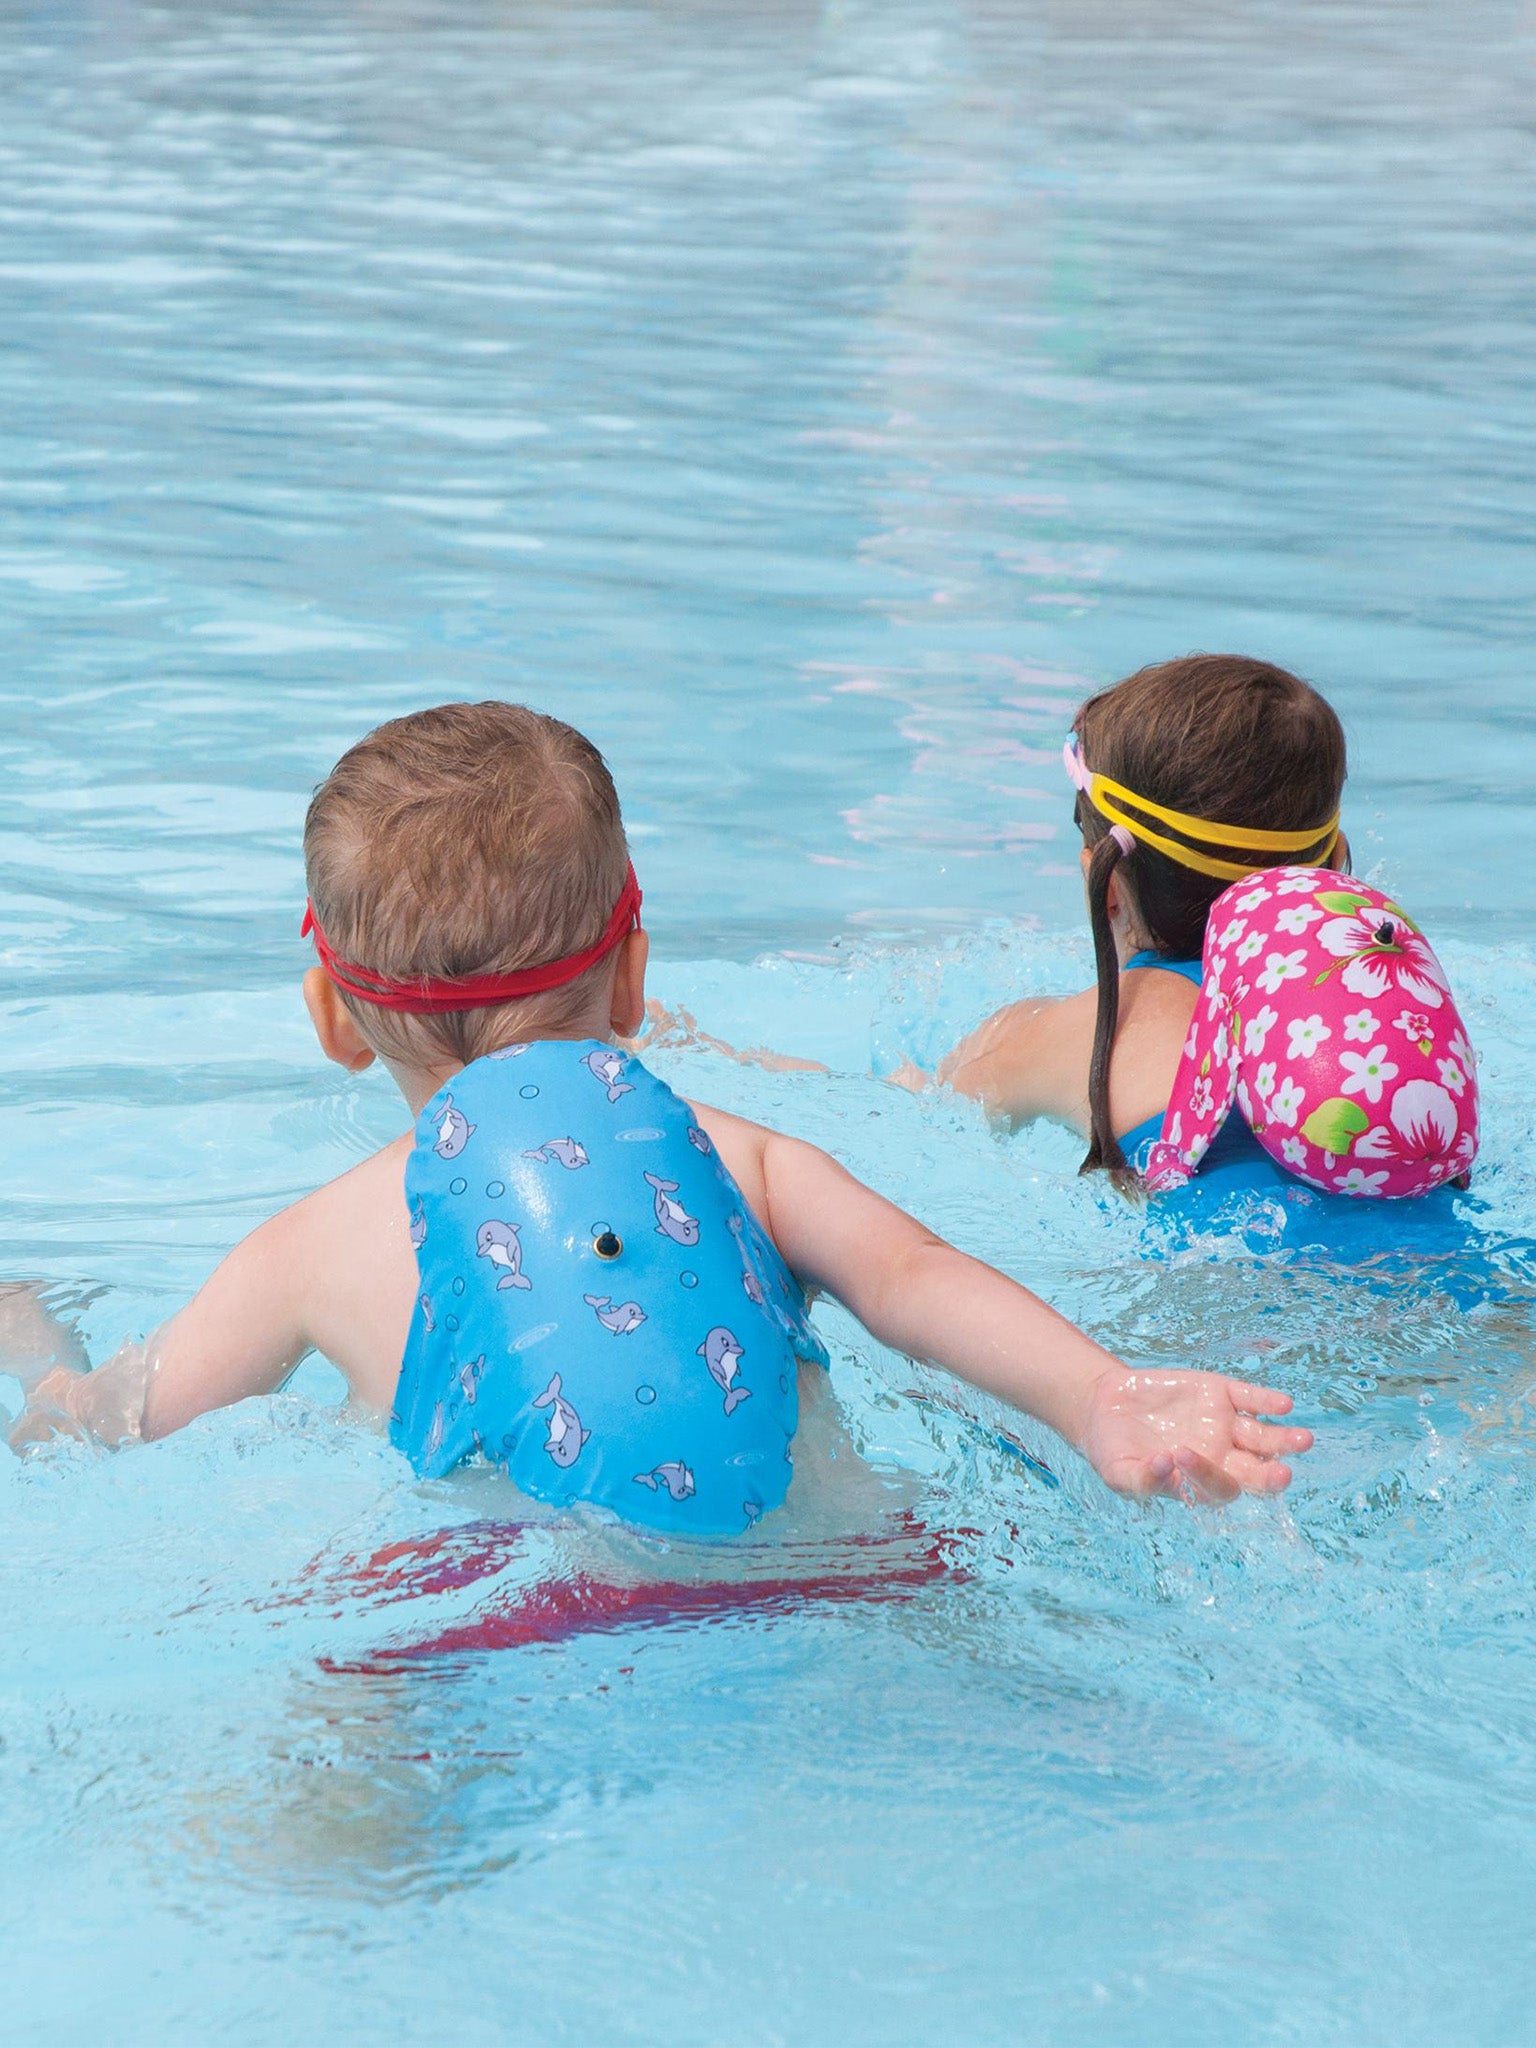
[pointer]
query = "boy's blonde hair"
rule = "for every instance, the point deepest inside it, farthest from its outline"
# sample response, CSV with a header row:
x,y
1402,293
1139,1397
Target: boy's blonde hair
x,y
470,839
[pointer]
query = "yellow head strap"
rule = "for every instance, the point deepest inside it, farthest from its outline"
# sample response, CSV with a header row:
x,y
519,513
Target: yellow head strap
x,y
1110,799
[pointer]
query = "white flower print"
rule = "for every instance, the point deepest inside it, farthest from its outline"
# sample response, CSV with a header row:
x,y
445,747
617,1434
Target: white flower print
x,y
1257,1029
1233,932
1307,1034
1211,987
1297,882
1422,1131
1176,1128
1460,1050
1425,1120
1381,952
1294,1151
1280,968
1358,1182
1285,1105
1412,1024
1201,1098
1369,1072
1245,1100
1251,901
1296,917
1361,1026
1264,1081
1452,1076
1251,947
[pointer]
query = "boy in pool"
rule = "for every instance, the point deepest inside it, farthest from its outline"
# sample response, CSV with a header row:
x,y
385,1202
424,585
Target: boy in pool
x,y
565,1268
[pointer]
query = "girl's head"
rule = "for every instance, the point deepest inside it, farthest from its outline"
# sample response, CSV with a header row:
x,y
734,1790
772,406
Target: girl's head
x,y
1231,747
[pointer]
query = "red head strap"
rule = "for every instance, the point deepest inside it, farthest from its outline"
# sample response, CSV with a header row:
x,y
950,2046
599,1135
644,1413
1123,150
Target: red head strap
x,y
425,997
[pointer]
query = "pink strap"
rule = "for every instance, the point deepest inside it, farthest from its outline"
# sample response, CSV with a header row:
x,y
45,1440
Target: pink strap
x,y
1204,1089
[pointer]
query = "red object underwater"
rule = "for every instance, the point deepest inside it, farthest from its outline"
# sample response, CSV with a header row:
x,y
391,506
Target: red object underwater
x,y
562,1609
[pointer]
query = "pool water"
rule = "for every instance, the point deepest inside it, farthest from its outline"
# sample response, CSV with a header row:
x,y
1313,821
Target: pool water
x,y
812,403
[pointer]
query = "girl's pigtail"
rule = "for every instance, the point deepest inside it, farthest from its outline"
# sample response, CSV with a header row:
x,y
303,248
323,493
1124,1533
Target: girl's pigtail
x,y
1104,1147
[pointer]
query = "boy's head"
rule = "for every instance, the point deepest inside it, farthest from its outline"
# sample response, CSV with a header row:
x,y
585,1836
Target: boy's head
x,y
468,840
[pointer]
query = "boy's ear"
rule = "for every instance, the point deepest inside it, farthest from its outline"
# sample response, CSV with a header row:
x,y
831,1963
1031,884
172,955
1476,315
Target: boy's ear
x,y
627,1004
335,1026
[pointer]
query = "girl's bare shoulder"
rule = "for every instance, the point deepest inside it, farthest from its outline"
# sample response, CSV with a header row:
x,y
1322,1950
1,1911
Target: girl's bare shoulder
x,y
1028,1059
1032,1058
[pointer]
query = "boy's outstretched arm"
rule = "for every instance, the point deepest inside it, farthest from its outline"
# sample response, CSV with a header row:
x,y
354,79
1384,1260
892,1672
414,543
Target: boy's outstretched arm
x,y
1144,1432
335,1273
241,1334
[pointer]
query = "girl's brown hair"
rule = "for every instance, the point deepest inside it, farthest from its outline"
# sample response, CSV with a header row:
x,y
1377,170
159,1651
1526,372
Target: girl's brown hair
x,y
1226,740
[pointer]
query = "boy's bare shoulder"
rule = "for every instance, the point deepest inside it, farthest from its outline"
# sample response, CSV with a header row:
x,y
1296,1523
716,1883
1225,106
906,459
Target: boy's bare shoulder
x,y
350,1252
372,1192
338,1241
741,1145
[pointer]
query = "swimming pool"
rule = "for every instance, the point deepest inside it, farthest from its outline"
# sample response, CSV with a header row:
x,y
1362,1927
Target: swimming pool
x,y
809,402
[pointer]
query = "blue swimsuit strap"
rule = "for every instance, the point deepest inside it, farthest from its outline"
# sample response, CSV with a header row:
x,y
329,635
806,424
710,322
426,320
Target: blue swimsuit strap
x,y
1190,969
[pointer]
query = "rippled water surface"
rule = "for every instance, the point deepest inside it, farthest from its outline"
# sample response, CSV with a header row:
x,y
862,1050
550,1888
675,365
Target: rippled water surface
x,y
811,403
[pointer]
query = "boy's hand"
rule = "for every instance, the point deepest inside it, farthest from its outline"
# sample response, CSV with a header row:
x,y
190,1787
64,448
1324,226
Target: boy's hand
x,y
48,1413
1189,1433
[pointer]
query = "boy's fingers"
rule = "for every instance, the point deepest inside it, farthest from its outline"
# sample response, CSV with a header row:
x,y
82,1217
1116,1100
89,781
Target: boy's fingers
x,y
1207,1480
1259,1400
1141,1477
1259,1475
1267,1438
1190,1475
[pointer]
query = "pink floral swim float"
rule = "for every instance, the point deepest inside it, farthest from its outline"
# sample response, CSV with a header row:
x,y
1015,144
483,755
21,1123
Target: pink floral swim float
x,y
1325,1016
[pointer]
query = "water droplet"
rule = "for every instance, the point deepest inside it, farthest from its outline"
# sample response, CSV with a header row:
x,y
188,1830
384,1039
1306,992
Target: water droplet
x,y
457,1187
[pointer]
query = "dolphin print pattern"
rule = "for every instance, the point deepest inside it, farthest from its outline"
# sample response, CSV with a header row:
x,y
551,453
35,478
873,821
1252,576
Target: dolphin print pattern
x,y
612,1324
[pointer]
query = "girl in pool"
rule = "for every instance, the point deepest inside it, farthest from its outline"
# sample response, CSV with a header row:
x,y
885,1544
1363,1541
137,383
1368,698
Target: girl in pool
x,y
1303,1000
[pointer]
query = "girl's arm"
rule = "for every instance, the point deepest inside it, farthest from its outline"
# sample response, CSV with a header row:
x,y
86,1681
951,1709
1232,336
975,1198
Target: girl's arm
x,y
1143,1432
1028,1060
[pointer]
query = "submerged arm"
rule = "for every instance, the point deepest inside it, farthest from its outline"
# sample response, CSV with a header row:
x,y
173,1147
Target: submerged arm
x,y
679,1030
